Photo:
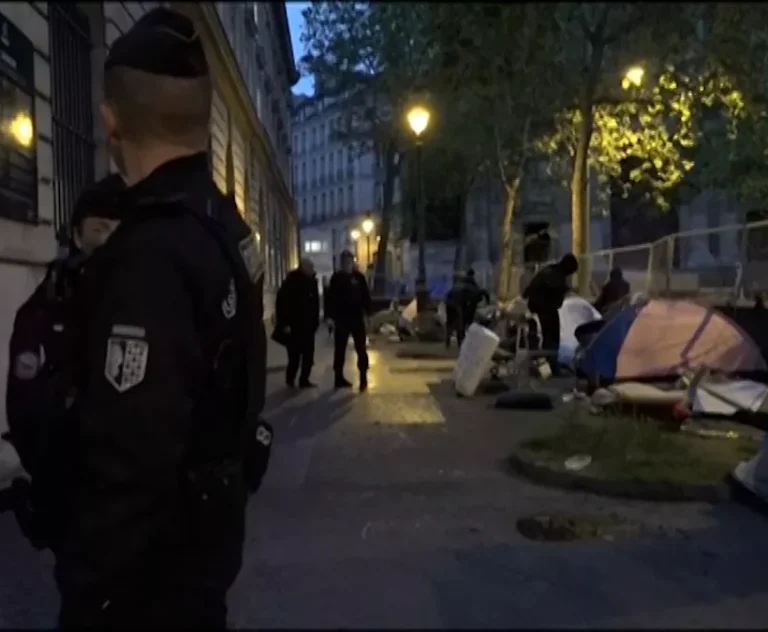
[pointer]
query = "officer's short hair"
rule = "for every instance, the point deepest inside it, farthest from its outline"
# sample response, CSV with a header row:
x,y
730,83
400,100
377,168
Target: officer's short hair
x,y
156,78
176,110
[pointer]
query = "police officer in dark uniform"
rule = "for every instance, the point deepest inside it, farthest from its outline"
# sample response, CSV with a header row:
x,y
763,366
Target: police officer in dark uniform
x,y
39,345
39,380
349,303
173,360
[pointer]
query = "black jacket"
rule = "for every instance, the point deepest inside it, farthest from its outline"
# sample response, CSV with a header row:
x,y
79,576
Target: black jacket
x,y
547,290
614,290
40,353
163,383
349,299
298,303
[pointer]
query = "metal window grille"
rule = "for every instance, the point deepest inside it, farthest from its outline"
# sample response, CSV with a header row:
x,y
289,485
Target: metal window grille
x,y
72,110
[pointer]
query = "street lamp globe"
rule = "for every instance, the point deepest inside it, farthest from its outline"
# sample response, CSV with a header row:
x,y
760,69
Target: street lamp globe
x,y
354,234
418,119
633,77
368,226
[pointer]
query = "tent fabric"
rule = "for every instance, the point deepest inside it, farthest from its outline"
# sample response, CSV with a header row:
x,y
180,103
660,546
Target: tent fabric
x,y
574,311
663,337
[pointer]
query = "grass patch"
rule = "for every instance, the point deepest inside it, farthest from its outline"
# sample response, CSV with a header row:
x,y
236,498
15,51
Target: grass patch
x,y
626,450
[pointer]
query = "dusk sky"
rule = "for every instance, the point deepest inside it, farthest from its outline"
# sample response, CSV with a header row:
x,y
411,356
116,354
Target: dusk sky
x,y
296,22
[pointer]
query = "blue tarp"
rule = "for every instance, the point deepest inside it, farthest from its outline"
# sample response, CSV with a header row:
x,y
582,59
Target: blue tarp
x,y
600,358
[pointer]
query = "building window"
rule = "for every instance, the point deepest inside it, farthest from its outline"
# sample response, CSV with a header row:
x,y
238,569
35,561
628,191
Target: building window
x,y
303,174
340,199
295,143
322,206
332,203
314,169
340,160
322,134
303,142
314,206
330,165
303,208
314,137
72,110
350,198
322,168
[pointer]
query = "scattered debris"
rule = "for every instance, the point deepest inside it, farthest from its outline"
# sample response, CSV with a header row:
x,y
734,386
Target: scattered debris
x,y
577,462
570,528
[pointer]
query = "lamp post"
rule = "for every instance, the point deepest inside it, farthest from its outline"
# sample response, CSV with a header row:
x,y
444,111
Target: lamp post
x,y
355,235
418,120
368,226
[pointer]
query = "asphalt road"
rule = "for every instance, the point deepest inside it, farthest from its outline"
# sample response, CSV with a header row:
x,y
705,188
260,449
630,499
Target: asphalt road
x,y
390,509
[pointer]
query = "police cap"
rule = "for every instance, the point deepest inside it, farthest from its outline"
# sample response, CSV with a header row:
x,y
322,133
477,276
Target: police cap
x,y
163,42
99,200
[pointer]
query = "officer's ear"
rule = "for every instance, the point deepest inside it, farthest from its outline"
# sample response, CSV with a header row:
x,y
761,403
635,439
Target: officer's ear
x,y
109,118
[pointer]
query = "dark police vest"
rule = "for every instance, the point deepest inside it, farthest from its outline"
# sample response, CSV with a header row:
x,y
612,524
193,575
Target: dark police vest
x,y
252,435
39,355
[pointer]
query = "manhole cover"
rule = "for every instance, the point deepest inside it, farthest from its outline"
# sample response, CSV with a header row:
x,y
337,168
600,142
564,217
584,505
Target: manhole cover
x,y
569,528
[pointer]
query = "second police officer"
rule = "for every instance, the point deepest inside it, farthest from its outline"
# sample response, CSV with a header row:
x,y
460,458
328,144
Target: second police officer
x,y
172,365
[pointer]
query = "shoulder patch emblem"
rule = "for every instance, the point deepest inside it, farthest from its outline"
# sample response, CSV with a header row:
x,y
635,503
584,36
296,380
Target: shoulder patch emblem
x,y
126,362
27,365
253,262
229,304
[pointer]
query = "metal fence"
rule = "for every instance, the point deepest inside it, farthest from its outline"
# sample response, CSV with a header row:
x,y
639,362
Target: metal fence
x,y
71,109
725,261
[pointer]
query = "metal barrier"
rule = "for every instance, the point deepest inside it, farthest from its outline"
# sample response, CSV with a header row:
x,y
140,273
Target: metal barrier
x,y
728,260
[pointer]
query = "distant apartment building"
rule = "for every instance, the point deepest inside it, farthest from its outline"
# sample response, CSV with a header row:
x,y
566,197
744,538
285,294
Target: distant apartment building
x,y
337,187
51,73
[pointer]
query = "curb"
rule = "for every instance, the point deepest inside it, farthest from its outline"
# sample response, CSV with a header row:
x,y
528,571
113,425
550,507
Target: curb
x,y
542,474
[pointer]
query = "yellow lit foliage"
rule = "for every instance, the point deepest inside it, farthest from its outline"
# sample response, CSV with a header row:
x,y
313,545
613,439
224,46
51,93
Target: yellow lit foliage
x,y
656,128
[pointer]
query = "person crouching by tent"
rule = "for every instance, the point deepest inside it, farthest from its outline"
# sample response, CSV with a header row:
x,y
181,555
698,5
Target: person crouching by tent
x,y
614,290
455,311
545,295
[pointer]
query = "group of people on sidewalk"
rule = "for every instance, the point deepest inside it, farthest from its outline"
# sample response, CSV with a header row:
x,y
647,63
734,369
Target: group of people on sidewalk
x,y
347,306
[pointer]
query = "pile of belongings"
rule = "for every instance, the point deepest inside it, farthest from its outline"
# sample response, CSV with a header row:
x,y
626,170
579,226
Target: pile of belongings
x,y
386,321
694,360
426,327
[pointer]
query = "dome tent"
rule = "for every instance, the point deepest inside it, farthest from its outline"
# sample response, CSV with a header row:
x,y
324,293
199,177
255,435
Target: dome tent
x,y
660,338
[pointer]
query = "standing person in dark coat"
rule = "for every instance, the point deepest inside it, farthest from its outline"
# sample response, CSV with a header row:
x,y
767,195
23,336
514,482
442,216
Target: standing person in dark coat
x,y
349,303
615,289
298,315
473,296
39,387
455,311
545,295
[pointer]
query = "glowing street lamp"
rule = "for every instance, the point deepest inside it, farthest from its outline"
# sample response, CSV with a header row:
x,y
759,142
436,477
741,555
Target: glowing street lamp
x,y
368,226
355,235
22,129
633,77
418,120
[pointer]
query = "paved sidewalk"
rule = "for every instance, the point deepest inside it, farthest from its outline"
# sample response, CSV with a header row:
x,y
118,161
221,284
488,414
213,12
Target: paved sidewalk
x,y
390,509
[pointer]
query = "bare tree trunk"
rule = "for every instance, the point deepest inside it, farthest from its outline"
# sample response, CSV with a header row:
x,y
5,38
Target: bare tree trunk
x,y
511,189
388,192
489,223
580,213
